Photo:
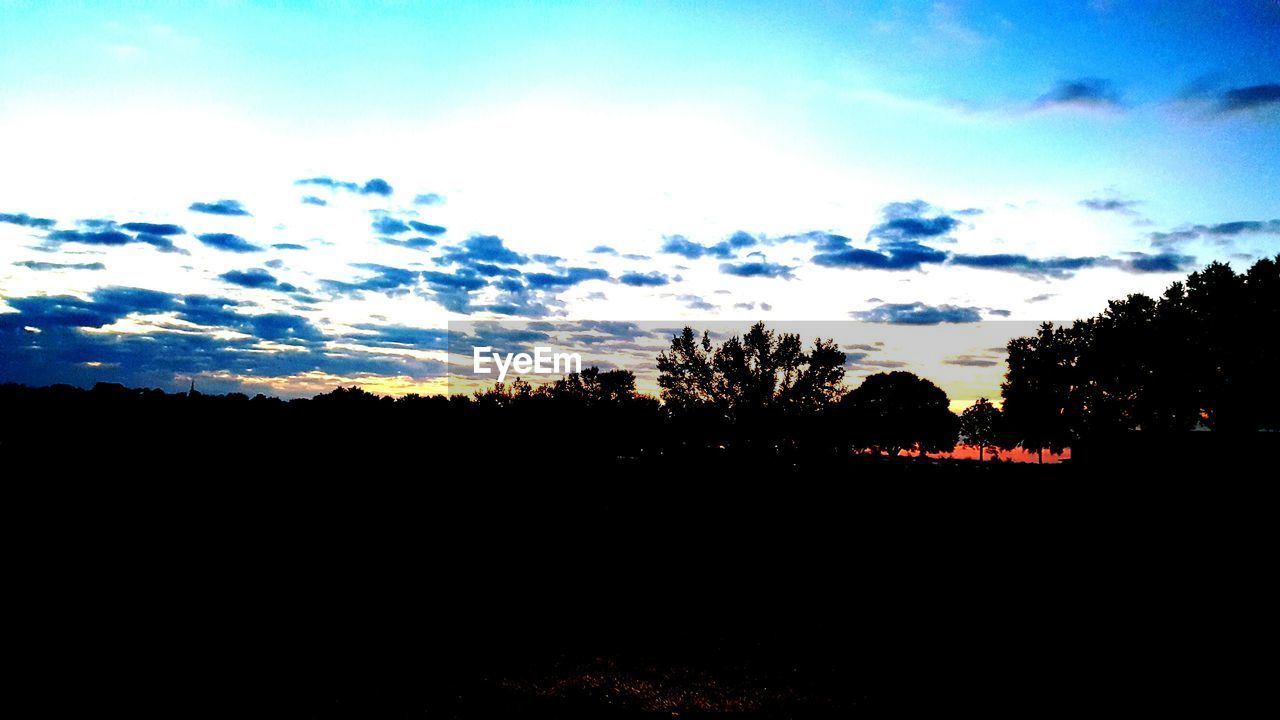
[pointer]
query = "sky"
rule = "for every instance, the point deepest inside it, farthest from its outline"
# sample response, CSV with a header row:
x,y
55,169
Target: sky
x,y
283,197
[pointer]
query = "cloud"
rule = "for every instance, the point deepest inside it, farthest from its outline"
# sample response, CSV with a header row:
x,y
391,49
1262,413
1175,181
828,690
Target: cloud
x,y
572,276
1057,267
256,278
385,279
1221,233
971,361
107,305
603,250
1081,93
1065,267
289,246
684,247
228,242
723,250
895,256
1041,297
108,236
695,302
1115,205
26,220
896,240
401,336
649,279
757,269
918,313
427,229
390,226
1253,97
429,199
313,200
906,222
413,243
42,266
61,352
282,327
375,186
221,207
161,229
1158,263
481,249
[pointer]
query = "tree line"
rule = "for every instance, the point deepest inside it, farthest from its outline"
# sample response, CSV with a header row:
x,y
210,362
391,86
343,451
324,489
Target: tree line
x,y
1201,356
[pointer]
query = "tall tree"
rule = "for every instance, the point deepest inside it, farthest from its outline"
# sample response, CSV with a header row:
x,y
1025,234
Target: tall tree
x,y
1040,391
896,411
978,424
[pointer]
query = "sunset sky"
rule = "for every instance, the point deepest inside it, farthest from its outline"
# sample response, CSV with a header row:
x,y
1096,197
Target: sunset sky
x,y
281,197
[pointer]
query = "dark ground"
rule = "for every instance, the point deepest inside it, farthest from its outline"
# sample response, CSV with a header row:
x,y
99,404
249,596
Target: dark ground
x,y
368,574
395,595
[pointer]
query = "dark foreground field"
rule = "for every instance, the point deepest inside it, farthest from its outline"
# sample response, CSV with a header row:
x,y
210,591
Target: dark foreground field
x,y
246,577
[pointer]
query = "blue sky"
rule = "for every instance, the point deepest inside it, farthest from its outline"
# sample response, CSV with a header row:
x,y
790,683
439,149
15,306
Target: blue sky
x,y
875,161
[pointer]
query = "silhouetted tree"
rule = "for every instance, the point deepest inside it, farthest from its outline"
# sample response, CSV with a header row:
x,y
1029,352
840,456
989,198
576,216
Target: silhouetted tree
x,y
746,375
978,425
1204,354
897,411
1040,390
685,374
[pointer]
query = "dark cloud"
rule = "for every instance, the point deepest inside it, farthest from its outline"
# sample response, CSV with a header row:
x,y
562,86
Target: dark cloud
x,y
1064,267
907,222
1253,97
918,313
390,226
1040,298
1158,263
413,243
385,279
228,242
684,247
1115,205
1088,93
61,352
107,305
376,186
427,229
571,277
221,207
897,240
42,266
892,256
649,279
255,278
757,269
26,220
282,327
161,229
1221,233
1057,267
972,361
429,199
92,237
481,249
106,234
